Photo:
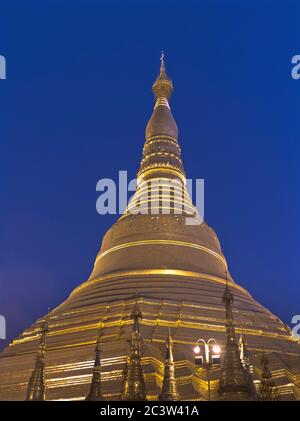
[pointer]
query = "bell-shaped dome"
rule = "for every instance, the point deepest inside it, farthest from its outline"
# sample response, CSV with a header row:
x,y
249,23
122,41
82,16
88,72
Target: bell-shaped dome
x,y
161,123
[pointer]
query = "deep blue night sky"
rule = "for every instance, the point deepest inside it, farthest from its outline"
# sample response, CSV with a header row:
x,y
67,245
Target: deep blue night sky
x,y
74,108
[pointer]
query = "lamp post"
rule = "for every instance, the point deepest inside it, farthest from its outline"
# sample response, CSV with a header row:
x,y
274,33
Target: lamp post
x,y
210,357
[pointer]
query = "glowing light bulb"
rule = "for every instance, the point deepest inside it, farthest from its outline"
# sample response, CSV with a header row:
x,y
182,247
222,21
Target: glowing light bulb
x,y
197,349
216,349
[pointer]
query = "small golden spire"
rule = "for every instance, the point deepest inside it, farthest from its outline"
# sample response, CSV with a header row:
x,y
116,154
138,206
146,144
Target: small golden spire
x,y
134,388
227,299
235,382
267,388
169,387
36,384
95,392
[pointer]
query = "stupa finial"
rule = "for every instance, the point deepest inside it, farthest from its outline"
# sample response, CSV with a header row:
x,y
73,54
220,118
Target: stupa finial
x,y
162,87
162,73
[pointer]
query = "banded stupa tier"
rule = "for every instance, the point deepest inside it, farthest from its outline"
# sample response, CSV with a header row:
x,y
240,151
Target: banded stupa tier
x,y
178,271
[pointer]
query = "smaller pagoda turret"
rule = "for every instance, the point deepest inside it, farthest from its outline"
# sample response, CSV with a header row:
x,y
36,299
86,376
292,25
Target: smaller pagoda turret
x,y
95,392
36,386
268,390
134,388
235,382
169,387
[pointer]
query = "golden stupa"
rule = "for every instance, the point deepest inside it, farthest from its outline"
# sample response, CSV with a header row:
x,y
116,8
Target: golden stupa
x,y
175,274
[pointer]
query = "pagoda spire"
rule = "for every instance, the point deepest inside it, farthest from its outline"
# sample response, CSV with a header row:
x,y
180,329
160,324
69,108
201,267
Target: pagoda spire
x,y
235,382
169,387
95,392
36,385
161,182
268,390
134,388
161,154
